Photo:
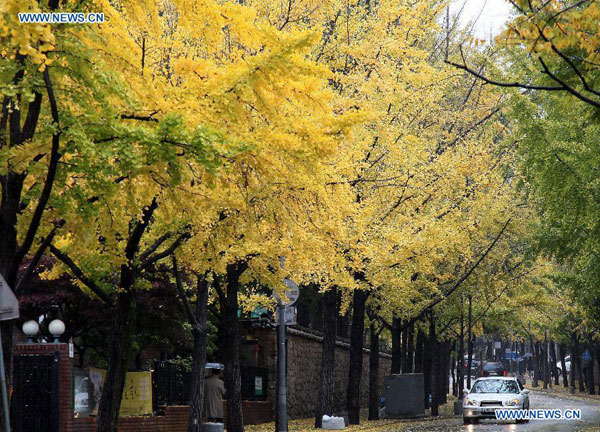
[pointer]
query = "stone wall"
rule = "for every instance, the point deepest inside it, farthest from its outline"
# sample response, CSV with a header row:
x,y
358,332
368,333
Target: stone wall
x,y
304,368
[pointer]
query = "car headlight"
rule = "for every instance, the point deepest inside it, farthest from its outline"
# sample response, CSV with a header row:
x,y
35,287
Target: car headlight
x,y
471,402
512,402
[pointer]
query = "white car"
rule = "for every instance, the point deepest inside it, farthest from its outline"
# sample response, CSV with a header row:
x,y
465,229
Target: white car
x,y
491,393
567,365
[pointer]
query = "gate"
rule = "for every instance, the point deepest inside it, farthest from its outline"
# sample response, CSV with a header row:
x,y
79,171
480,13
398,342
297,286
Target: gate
x,y
35,398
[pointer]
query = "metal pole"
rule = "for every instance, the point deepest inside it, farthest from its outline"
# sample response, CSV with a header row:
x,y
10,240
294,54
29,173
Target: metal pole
x,y
281,371
3,385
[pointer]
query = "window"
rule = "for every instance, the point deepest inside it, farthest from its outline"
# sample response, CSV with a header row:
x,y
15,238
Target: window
x,y
495,386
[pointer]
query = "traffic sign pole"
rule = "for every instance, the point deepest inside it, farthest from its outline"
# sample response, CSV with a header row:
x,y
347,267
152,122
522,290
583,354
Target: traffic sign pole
x,y
9,309
281,370
282,421
3,385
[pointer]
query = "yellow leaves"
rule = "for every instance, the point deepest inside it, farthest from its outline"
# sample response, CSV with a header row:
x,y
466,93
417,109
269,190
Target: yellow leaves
x,y
25,39
552,26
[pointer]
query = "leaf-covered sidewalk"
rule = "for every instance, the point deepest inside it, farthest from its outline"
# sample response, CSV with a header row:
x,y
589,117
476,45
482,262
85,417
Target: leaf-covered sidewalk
x,y
307,425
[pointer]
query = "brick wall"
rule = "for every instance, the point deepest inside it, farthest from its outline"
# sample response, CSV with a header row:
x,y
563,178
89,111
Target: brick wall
x,y
304,364
175,419
304,368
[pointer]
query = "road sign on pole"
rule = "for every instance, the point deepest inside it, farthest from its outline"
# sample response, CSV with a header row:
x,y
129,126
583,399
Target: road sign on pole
x,y
9,309
586,356
289,313
291,292
9,305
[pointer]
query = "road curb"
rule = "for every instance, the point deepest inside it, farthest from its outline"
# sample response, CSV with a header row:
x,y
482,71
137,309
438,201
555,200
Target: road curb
x,y
551,393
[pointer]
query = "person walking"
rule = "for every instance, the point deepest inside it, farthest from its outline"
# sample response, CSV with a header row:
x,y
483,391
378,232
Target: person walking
x,y
214,391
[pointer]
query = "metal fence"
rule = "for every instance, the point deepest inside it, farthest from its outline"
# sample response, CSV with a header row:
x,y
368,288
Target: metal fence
x,y
171,384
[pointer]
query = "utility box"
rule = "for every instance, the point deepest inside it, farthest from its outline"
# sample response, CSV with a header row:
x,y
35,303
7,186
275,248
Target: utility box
x,y
213,427
404,395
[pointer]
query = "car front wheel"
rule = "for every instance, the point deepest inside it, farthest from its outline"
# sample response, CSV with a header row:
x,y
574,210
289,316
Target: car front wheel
x,y
466,420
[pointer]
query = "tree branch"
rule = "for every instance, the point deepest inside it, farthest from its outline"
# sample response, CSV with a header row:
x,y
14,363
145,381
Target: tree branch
x,y
33,113
219,289
458,283
515,84
562,87
138,230
80,275
149,117
168,251
567,87
50,176
38,255
186,303
155,245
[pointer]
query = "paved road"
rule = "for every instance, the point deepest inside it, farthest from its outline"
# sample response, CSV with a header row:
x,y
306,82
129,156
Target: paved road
x,y
590,414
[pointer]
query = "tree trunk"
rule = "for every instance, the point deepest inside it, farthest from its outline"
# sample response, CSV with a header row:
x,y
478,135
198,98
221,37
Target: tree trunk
x,y
553,366
396,350
461,356
119,357
233,380
540,361
427,368
374,373
597,358
407,367
563,366
434,353
442,375
591,387
403,346
198,358
534,361
573,362
545,368
469,343
447,368
576,362
356,355
324,405
489,348
419,351
454,370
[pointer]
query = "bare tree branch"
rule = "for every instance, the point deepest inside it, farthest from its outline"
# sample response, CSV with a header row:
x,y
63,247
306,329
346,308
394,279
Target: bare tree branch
x,y
186,303
78,273
168,251
38,255
49,182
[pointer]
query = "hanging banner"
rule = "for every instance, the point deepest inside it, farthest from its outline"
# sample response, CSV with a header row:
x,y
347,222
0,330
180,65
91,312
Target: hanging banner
x,y
137,393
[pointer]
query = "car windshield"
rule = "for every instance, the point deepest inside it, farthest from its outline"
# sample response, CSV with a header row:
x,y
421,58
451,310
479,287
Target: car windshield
x,y
495,386
492,366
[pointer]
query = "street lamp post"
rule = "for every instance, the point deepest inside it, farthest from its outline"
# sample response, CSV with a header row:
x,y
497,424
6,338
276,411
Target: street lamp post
x,y
56,328
30,329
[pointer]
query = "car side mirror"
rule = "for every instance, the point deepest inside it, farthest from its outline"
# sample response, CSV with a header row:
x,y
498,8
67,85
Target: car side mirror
x,y
465,392
525,391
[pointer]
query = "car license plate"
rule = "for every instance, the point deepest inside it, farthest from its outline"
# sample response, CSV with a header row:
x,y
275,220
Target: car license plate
x,y
493,374
488,410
